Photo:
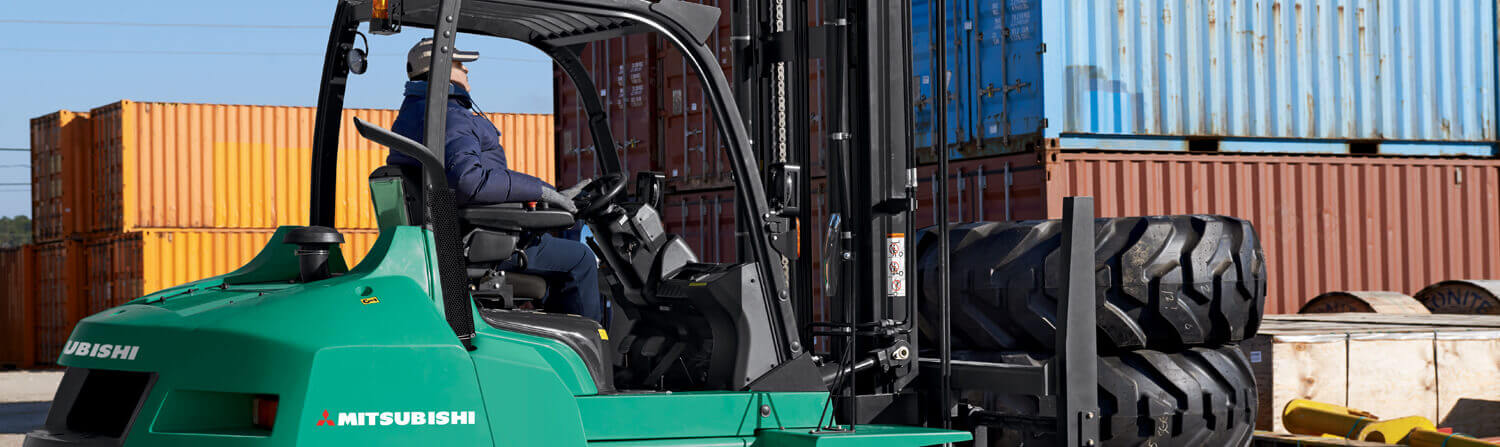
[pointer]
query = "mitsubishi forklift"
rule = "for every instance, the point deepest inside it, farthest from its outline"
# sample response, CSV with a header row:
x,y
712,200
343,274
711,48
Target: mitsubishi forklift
x,y
429,341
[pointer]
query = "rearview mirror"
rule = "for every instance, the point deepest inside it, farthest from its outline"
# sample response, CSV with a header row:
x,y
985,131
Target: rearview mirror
x,y
648,188
784,189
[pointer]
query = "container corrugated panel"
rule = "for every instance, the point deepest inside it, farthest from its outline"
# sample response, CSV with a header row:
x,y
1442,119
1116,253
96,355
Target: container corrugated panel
x,y
171,257
17,312
1340,70
663,115
114,271
1326,223
60,174
624,70
170,165
56,279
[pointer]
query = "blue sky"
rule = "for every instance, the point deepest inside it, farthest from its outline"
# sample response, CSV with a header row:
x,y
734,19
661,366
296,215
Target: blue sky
x,y
53,66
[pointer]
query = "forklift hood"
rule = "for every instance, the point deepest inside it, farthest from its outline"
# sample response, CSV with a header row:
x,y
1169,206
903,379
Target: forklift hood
x,y
225,360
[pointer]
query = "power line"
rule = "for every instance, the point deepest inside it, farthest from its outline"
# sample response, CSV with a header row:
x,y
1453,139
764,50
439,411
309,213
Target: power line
x,y
27,165
224,53
15,184
160,52
160,25
13,149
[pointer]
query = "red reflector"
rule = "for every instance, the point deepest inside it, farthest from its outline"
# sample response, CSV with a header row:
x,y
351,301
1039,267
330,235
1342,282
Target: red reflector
x,y
263,413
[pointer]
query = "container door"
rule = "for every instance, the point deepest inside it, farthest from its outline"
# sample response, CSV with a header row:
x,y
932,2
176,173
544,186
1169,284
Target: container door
x,y
1008,87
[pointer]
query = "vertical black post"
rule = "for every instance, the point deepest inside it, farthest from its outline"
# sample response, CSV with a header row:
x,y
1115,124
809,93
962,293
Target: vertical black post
x,y
940,145
798,105
442,207
1078,371
329,117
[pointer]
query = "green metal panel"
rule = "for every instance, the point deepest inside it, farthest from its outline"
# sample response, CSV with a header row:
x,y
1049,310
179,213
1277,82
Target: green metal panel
x,y
319,346
695,442
696,414
389,198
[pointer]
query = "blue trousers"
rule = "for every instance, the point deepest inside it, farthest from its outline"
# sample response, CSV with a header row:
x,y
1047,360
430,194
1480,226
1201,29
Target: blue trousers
x,y
572,274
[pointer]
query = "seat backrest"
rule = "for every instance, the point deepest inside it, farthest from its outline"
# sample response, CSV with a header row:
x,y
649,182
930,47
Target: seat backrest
x,y
396,191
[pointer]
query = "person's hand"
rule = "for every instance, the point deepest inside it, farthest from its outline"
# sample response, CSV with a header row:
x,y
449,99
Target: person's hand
x,y
573,191
552,197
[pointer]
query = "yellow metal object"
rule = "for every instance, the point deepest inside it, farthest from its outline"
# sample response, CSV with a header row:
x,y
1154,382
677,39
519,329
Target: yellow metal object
x,y
1426,438
1395,431
1305,417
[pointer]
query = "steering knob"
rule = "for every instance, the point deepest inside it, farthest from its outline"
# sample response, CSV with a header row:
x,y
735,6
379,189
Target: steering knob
x,y
314,246
599,194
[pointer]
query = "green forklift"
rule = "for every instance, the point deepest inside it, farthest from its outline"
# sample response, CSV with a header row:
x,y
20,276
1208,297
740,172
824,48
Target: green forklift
x,y
427,342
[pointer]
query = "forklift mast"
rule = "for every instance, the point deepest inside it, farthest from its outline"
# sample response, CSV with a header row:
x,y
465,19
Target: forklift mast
x,y
865,46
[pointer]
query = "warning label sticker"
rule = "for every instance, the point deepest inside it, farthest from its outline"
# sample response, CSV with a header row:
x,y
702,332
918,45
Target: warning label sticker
x,y
895,272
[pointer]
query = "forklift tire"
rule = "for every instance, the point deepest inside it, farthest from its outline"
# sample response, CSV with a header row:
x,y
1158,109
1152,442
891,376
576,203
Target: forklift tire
x,y
1195,397
1163,282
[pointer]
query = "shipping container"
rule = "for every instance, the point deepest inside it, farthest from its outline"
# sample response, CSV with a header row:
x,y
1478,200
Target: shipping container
x,y
170,165
656,109
114,271
1396,77
625,72
77,278
705,220
1326,222
171,257
60,177
17,310
57,276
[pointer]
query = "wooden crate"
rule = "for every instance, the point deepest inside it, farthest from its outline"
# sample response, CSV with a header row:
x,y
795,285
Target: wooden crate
x,y
1442,367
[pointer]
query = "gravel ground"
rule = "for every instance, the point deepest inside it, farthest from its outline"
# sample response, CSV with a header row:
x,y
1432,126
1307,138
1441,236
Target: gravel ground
x,y
24,399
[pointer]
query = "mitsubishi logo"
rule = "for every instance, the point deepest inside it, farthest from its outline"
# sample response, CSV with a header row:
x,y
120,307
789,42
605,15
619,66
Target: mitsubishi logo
x,y
325,420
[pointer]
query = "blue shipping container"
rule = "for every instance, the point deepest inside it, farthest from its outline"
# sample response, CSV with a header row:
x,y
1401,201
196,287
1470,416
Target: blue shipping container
x,y
1394,76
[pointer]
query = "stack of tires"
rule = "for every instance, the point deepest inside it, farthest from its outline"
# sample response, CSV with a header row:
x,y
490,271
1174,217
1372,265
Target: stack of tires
x,y
1175,295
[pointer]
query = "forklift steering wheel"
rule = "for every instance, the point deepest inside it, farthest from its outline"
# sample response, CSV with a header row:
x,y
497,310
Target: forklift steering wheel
x,y
598,195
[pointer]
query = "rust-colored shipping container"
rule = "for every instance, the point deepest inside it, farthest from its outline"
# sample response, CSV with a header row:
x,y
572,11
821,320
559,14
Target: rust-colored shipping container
x,y
170,257
705,220
17,312
656,109
626,74
1326,222
114,271
60,176
56,277
171,165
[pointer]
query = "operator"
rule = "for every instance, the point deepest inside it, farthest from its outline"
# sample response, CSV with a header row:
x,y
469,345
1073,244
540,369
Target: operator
x,y
477,170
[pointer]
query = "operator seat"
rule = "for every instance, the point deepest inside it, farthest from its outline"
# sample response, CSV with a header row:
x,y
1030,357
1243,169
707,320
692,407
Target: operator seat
x,y
495,234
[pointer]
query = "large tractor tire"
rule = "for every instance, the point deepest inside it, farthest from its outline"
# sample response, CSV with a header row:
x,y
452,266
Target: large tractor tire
x,y
1195,397
1162,282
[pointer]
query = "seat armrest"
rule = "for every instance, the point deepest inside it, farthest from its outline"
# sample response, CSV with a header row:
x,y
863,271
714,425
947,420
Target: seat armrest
x,y
515,217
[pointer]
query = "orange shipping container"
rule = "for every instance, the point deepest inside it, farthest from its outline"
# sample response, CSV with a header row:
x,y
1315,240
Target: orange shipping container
x,y
170,165
60,164
17,326
57,276
170,257
1326,222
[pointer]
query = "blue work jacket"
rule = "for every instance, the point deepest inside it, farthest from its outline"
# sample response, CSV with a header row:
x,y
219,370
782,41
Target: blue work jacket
x,y
475,162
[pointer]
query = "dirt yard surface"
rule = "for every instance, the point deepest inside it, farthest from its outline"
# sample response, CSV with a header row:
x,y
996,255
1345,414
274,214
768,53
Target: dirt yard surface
x,y
24,399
